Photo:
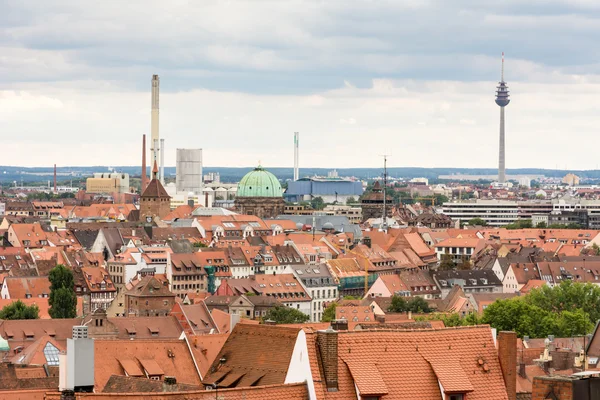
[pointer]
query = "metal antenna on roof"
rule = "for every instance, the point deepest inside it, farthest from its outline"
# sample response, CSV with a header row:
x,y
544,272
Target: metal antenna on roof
x,y
384,216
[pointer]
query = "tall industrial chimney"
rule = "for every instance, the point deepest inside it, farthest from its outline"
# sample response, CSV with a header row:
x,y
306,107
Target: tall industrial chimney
x,y
162,161
296,155
144,176
55,188
154,121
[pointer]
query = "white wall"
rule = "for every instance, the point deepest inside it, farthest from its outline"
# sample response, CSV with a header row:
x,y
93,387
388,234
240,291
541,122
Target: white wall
x,y
378,289
299,368
4,292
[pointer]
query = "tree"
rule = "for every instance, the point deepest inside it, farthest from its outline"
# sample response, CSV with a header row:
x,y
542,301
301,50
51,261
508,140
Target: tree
x,y
567,296
398,304
446,263
573,323
285,315
520,224
62,301
541,225
465,263
477,222
521,317
418,305
317,203
199,244
350,200
19,310
329,313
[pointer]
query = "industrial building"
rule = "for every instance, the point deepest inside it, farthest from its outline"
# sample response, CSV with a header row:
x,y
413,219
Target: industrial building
x,y
109,182
189,171
332,190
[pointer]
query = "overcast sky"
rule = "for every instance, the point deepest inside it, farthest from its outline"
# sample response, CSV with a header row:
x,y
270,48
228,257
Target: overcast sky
x,y
413,78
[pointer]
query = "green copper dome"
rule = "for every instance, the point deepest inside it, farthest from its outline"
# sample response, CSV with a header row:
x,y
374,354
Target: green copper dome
x,y
259,183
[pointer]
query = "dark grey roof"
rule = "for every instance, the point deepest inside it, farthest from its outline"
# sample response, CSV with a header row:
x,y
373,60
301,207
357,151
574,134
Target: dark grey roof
x,y
263,301
340,223
113,238
467,277
86,237
181,246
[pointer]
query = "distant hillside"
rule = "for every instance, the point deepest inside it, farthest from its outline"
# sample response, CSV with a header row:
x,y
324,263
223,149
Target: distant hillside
x,y
10,174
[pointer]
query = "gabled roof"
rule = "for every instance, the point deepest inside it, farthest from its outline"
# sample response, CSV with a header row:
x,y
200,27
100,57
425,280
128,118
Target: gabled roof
x,y
412,364
22,288
248,362
173,357
155,189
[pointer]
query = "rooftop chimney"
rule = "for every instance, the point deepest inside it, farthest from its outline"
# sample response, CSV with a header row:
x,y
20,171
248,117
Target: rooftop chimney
x,y
507,355
367,241
339,324
327,341
76,368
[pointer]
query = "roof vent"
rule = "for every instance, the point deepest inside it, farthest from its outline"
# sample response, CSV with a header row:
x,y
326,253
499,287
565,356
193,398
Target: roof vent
x,y
80,332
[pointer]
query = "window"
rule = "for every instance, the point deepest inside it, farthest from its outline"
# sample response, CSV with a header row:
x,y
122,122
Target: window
x,y
457,397
51,354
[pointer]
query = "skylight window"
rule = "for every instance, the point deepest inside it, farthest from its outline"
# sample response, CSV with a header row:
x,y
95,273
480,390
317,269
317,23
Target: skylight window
x,y
51,354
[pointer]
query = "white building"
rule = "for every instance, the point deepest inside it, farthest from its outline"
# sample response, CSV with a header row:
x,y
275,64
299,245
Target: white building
x,y
189,171
494,212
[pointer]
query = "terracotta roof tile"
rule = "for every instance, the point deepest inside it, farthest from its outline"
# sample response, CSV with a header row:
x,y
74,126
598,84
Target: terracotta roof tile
x,y
244,353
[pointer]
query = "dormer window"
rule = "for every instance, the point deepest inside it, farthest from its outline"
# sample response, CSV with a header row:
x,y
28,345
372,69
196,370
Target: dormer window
x,y
458,396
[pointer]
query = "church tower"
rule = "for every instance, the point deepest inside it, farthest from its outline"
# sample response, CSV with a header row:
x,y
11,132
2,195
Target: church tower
x,y
155,201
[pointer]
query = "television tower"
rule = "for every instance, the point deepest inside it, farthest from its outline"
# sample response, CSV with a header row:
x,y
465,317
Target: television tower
x,y
155,136
502,99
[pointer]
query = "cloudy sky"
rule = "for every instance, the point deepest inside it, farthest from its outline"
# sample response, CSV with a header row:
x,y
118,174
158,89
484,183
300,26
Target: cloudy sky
x,y
357,79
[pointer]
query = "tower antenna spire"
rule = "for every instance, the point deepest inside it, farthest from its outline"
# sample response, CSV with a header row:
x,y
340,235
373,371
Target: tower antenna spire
x,y
502,79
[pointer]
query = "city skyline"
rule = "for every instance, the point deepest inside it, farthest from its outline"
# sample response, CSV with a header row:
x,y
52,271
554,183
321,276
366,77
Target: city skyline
x,y
238,82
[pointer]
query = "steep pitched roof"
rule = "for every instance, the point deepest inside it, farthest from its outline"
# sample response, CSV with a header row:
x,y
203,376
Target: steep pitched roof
x,y
411,364
246,363
172,356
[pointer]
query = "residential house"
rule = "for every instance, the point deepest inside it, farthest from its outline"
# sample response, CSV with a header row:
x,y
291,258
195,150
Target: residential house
x,y
150,296
420,283
388,286
459,250
100,287
320,284
25,288
283,287
471,281
27,235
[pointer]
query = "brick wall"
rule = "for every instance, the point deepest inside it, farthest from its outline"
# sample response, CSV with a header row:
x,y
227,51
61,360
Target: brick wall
x,y
542,386
327,342
507,355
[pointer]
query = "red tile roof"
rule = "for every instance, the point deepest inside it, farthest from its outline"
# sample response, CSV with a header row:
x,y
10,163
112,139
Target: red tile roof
x,y
172,357
22,288
412,363
246,359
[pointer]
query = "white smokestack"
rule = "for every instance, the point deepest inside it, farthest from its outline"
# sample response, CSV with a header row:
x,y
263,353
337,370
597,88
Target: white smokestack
x,y
296,155
162,161
154,121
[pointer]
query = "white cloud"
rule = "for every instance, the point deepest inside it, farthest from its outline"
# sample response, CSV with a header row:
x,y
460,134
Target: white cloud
x,y
239,77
